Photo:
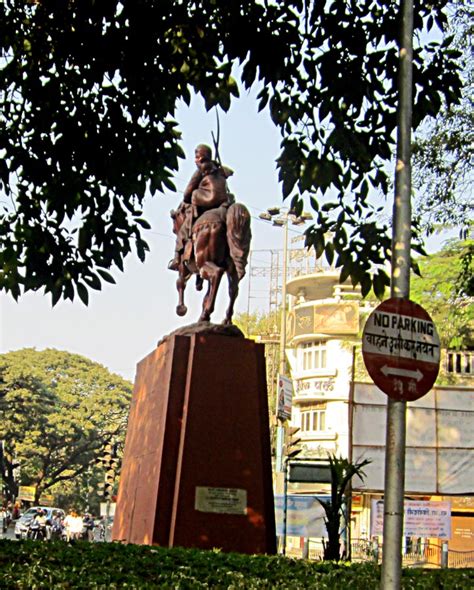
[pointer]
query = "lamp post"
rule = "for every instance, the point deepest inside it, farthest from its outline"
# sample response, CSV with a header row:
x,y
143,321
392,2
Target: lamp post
x,y
280,217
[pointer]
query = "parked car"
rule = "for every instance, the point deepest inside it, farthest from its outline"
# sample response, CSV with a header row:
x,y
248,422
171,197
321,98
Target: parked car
x,y
23,523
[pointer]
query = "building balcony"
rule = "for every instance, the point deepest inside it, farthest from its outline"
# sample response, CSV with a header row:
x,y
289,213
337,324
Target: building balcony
x,y
316,436
320,284
460,362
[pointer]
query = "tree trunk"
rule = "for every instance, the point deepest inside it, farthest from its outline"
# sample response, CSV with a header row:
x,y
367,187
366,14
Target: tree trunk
x,y
7,469
10,486
333,546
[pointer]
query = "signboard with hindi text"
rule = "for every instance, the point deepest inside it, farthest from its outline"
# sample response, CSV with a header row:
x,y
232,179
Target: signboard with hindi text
x,y
421,519
47,500
401,349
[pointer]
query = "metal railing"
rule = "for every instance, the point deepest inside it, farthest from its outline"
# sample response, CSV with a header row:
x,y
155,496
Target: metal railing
x,y
460,558
426,555
460,362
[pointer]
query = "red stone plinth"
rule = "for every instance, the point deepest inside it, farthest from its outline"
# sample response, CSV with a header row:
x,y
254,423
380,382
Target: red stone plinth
x,y
196,468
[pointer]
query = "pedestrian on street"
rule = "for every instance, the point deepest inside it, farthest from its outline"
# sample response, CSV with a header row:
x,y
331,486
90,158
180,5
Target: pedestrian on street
x,y
73,524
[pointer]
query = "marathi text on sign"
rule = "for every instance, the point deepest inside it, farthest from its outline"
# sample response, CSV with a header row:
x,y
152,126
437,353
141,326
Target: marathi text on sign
x,y
406,336
307,386
421,519
401,349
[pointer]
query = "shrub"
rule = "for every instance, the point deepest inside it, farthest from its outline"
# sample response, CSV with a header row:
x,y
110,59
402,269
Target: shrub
x,y
33,565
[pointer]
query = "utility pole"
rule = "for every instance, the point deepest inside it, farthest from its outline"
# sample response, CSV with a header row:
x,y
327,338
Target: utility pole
x,y
280,217
400,287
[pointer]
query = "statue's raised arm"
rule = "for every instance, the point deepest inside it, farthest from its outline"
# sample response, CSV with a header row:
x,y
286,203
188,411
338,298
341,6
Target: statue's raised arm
x,y
212,234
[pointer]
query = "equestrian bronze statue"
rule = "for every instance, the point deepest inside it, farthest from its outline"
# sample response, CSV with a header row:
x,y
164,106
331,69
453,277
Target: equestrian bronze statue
x,y
212,235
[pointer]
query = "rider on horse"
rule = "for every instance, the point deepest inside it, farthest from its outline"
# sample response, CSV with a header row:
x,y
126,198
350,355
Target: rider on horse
x,y
206,190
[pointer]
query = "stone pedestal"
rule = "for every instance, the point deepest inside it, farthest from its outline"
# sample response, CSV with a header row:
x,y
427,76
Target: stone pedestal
x,y
196,469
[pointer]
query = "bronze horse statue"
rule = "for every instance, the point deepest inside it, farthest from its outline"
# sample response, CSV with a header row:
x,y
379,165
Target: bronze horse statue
x,y
220,244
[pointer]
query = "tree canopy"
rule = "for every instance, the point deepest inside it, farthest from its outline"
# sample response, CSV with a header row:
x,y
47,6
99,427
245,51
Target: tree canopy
x,y
57,412
89,91
446,289
443,154
265,327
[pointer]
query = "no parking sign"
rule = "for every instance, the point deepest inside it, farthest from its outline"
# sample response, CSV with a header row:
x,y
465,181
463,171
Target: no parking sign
x,y
401,349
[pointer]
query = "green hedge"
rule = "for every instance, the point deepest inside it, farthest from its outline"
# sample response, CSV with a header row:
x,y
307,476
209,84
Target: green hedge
x,y
30,564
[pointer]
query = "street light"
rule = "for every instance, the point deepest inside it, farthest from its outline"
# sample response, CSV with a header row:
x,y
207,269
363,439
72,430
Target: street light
x,y
280,218
273,211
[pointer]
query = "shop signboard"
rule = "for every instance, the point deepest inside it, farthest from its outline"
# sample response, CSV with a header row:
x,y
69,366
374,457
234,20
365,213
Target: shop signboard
x,y
26,493
422,518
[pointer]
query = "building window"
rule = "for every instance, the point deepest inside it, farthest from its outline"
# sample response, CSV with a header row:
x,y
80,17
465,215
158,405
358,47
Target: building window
x,y
314,355
460,362
314,419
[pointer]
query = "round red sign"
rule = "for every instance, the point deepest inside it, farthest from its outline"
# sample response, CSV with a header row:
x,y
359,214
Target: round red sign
x,y
401,349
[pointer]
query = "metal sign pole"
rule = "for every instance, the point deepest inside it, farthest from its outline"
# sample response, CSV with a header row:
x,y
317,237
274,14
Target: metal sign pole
x,y
285,507
401,245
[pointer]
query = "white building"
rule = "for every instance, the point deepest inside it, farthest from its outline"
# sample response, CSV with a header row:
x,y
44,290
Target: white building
x,y
322,328
324,325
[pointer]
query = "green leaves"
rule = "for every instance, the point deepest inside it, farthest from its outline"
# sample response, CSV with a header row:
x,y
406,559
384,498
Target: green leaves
x,y
289,162
26,564
346,97
442,153
318,173
361,256
83,293
88,93
440,288
57,410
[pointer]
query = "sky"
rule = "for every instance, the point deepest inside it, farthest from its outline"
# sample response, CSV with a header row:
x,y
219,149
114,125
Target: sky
x,y
124,322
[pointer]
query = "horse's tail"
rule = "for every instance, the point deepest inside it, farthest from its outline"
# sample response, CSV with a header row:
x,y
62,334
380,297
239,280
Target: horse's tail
x,y
239,236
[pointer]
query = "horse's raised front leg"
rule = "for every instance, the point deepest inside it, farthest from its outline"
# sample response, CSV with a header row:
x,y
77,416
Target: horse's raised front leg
x,y
212,273
233,292
183,275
